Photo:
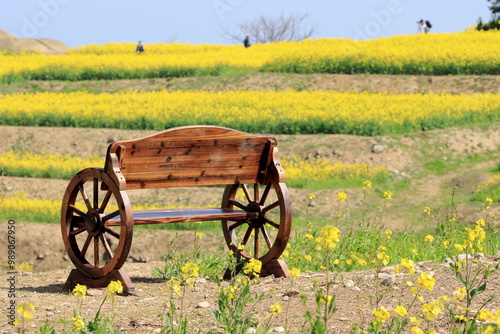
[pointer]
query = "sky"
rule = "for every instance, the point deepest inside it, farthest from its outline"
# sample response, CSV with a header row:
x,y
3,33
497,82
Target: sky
x,y
81,22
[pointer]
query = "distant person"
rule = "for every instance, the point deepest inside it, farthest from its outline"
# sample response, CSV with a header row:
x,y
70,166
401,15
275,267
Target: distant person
x,y
246,41
424,26
140,48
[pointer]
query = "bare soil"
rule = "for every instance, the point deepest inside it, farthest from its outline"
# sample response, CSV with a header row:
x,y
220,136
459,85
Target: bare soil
x,y
137,312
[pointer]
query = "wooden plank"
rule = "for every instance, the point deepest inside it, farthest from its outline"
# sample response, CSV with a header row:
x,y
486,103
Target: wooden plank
x,y
165,216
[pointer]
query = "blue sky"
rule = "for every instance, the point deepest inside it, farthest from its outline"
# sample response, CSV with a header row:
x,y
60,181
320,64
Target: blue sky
x,y
81,22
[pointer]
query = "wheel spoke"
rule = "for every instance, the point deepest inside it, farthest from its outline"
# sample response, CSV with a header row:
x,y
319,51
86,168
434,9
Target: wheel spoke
x,y
235,225
256,192
106,246
96,193
76,210
247,235
110,215
86,245
266,236
105,201
265,194
239,205
270,207
96,251
112,232
85,197
247,193
272,223
256,244
78,231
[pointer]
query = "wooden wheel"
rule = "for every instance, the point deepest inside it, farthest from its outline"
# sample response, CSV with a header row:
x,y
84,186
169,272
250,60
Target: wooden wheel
x,y
90,200
265,237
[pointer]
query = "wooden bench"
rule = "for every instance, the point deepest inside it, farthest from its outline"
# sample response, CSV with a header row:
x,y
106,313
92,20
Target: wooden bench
x,y
97,219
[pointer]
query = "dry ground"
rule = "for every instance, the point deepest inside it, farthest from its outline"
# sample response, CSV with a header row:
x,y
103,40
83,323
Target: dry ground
x,y
138,311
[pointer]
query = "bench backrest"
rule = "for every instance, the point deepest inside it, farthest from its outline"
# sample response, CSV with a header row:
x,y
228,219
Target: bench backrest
x,y
193,156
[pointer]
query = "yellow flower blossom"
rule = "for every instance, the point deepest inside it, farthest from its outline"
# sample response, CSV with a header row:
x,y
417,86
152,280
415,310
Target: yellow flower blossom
x,y
426,281
429,238
253,267
381,314
341,197
78,322
400,310
295,272
80,291
114,287
276,308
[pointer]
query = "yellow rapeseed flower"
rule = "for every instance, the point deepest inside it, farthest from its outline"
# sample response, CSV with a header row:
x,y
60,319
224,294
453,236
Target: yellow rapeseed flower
x,y
400,310
24,308
276,308
381,314
114,287
387,195
416,330
78,322
426,281
341,197
80,291
295,273
429,238
253,267
330,236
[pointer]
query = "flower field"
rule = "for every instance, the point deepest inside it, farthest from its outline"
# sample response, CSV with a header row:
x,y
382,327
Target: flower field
x,y
280,112
439,54
360,250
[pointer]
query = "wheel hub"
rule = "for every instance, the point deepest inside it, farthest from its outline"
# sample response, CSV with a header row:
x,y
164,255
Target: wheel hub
x,y
256,207
92,221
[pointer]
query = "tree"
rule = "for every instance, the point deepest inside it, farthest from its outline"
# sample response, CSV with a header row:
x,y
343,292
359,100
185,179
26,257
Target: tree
x,y
273,29
495,9
494,23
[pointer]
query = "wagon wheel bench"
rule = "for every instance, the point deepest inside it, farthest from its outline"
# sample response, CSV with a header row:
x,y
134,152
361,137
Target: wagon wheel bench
x,y
97,219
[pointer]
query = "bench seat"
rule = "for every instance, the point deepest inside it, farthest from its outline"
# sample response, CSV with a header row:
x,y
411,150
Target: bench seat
x,y
163,216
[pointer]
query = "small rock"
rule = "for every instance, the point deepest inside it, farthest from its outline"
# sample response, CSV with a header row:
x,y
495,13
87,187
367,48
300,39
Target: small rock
x,y
462,257
479,256
7,188
449,262
348,284
496,257
49,314
278,329
311,203
201,280
388,281
355,288
377,148
388,269
285,298
157,330
40,256
251,330
203,305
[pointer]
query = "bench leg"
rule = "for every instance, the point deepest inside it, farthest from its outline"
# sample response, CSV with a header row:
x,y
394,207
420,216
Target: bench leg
x,y
276,267
75,277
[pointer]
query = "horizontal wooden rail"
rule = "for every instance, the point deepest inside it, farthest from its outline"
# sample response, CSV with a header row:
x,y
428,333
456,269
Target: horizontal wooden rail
x,y
165,216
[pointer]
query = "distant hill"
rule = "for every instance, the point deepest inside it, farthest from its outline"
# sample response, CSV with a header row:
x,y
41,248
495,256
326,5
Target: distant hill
x,y
9,42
